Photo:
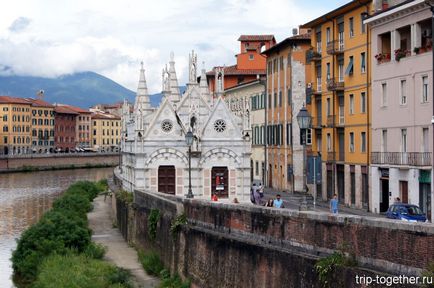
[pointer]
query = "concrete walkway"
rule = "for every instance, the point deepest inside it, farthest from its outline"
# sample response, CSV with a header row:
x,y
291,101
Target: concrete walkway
x,y
118,251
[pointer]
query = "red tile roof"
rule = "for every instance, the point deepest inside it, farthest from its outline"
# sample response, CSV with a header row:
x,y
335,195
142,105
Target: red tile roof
x,y
232,70
12,100
64,110
105,116
39,103
77,109
256,38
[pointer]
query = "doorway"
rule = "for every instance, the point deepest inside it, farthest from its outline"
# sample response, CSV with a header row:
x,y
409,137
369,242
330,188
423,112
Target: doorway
x,y
403,191
219,180
384,204
270,176
166,179
341,182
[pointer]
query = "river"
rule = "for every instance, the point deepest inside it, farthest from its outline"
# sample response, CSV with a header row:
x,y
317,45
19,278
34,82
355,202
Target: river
x,y
24,197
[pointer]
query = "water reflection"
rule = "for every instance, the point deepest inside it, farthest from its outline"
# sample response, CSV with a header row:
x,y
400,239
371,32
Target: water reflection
x,y
24,197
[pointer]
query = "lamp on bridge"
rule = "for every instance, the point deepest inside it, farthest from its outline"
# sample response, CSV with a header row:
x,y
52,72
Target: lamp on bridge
x,y
189,141
304,120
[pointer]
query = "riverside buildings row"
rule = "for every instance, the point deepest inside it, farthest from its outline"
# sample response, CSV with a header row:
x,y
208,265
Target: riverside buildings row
x,y
30,126
364,73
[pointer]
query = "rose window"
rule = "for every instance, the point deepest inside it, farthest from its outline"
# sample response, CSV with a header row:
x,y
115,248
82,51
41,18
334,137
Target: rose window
x,y
220,125
166,126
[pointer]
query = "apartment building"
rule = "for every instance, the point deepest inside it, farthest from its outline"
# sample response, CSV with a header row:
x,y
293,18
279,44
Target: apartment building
x,y
15,125
341,101
42,125
106,131
287,80
64,128
402,110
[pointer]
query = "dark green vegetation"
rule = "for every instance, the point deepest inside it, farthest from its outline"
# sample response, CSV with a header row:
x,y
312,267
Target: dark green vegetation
x,y
152,264
177,223
58,249
153,219
326,268
125,196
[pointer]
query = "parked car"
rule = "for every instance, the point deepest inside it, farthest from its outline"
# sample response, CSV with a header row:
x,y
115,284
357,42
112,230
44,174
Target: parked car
x,y
406,212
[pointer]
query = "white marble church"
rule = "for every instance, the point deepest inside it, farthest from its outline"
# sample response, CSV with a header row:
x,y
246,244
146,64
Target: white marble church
x,y
154,149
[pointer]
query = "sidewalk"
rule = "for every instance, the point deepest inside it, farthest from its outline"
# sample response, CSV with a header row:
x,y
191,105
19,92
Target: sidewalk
x,y
118,251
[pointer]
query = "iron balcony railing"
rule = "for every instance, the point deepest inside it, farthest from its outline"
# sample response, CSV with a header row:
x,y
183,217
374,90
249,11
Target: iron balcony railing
x,y
312,55
335,47
402,158
335,84
317,122
335,156
330,121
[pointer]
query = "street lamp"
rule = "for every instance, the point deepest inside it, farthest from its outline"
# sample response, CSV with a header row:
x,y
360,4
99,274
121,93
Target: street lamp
x,y
189,141
430,3
304,119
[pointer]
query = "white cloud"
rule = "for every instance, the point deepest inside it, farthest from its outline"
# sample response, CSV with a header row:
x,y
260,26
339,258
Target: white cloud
x,y
112,37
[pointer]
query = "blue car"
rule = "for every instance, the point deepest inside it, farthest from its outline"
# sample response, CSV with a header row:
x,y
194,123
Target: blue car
x,y
406,212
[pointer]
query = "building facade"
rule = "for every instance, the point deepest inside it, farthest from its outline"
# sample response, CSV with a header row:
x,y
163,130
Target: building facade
x,y
341,96
253,93
42,126
250,64
15,126
106,132
155,154
64,128
287,79
402,110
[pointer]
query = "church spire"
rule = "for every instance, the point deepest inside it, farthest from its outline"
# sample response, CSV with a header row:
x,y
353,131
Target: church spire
x,y
203,85
175,94
142,97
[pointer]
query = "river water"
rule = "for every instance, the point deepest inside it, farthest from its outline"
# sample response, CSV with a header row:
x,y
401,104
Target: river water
x,y
24,197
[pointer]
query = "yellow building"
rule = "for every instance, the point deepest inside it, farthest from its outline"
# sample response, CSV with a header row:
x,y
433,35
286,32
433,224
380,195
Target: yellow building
x,y
340,103
15,124
106,132
42,126
287,79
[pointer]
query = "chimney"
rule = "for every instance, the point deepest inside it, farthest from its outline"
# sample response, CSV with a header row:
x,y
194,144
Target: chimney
x,y
294,31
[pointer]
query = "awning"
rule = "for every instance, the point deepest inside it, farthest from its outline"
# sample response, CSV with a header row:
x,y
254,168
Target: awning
x,y
349,70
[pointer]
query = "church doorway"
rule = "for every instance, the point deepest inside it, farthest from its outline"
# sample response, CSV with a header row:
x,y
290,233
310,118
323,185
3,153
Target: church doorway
x,y
166,179
219,180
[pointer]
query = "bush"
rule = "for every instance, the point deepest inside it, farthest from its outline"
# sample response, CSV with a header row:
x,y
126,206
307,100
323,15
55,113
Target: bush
x,y
78,203
71,270
84,187
151,262
102,185
327,266
174,282
95,250
153,218
125,196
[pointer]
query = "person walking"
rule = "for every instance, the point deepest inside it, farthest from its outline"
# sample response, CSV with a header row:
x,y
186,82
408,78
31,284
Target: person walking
x,y
256,195
278,203
334,204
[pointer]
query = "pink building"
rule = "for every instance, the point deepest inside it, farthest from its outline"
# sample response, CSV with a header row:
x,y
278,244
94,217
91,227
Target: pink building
x,y
401,155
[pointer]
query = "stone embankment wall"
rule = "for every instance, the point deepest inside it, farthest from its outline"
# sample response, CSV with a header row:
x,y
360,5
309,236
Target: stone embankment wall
x,y
232,245
57,161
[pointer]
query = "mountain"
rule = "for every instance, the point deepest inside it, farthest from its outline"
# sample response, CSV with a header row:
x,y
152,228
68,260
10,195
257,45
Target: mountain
x,y
82,89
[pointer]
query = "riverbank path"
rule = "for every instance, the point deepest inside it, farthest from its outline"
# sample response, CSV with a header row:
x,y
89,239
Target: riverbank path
x,y
118,251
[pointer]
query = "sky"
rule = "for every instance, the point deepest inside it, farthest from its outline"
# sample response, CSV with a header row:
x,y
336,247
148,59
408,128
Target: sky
x,y
50,38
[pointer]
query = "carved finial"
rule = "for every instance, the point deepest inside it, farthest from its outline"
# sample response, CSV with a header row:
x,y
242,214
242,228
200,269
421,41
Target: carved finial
x,y
141,64
172,56
203,65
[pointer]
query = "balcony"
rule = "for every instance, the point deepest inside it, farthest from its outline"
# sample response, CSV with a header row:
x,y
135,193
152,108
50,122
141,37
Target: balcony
x,y
335,84
331,121
402,158
331,156
317,122
312,55
335,47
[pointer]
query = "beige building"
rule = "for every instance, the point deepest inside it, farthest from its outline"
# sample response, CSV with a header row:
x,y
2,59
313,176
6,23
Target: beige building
x,y
42,126
251,93
106,132
15,124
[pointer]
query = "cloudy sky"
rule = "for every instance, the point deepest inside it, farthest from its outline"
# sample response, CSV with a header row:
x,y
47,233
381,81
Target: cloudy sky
x,y
50,37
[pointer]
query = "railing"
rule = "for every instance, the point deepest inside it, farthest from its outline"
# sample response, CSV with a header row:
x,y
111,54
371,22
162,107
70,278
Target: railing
x,y
317,122
402,158
335,84
330,121
312,55
335,47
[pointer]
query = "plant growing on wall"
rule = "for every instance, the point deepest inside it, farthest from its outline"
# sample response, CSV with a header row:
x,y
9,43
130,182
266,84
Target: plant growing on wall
x,y
177,223
326,267
153,218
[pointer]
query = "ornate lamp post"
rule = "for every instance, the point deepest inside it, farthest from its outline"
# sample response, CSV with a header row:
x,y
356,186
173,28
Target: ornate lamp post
x,y
189,141
304,120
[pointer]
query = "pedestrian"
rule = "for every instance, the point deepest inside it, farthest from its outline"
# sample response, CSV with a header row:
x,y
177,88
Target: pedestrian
x,y
334,204
278,203
270,203
214,197
256,195
397,200
261,190
235,201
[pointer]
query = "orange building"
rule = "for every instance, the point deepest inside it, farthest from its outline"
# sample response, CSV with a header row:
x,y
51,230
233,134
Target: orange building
x,y
287,80
251,64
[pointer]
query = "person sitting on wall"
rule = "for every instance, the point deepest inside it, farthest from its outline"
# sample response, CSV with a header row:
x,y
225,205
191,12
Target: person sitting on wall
x,y
278,203
214,197
235,201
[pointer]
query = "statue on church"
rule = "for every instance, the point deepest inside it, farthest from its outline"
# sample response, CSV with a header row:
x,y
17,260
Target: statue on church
x,y
193,67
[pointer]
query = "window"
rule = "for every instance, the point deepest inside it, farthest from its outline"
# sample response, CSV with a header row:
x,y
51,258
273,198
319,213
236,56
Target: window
x,y
280,98
328,35
363,62
403,92
383,94
363,102
425,140
257,168
251,57
5,118
5,139
362,17
351,142
275,99
328,107
403,140
351,27
328,71
363,144
350,67
329,142
341,71
351,104
424,89
318,42
308,136
289,96
5,128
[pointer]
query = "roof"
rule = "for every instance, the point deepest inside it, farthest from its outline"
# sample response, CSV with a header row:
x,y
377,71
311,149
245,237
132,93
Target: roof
x,y
77,109
256,38
336,13
12,100
39,103
64,110
243,84
105,116
287,42
232,70
389,10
